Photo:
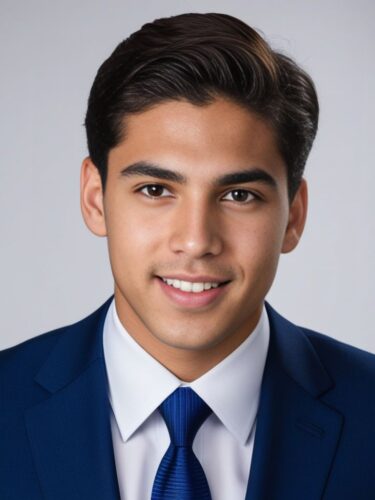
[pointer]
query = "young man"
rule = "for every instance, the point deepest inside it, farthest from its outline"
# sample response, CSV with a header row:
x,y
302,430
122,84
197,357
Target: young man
x,y
186,384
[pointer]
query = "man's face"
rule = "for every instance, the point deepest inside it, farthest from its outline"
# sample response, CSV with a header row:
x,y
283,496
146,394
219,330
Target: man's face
x,y
197,225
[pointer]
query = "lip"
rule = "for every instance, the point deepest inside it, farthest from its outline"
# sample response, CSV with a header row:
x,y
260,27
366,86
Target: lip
x,y
191,300
201,278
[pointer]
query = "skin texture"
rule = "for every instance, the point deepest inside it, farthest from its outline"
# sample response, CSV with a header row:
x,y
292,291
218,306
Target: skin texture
x,y
194,228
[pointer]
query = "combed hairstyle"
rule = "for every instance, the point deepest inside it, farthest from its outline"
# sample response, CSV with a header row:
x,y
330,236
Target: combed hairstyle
x,y
197,58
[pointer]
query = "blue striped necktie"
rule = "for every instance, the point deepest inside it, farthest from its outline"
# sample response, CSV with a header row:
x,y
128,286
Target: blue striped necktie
x,y
180,475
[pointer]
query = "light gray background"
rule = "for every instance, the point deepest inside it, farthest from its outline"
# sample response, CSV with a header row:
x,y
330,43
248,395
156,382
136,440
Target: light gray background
x,y
54,272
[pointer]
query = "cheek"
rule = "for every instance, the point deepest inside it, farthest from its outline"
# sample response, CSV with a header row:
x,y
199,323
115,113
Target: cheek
x,y
258,245
132,237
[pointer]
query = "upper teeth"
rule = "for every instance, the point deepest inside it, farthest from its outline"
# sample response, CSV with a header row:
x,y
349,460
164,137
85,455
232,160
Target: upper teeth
x,y
188,286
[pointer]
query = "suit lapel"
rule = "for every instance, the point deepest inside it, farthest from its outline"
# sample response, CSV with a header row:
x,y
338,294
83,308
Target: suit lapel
x,y
69,432
297,433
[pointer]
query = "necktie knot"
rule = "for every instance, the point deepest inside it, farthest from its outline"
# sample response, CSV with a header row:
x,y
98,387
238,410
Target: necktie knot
x,y
184,412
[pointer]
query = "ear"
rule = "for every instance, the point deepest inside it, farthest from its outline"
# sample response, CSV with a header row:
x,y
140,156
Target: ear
x,y
297,218
92,206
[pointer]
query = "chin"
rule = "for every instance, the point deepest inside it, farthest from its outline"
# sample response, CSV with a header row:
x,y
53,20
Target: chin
x,y
189,344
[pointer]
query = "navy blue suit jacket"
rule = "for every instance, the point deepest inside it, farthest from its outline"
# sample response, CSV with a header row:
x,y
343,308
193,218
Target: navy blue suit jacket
x,y
315,435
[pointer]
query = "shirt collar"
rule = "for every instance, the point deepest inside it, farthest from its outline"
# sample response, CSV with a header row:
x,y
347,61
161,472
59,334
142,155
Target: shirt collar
x,y
232,387
138,383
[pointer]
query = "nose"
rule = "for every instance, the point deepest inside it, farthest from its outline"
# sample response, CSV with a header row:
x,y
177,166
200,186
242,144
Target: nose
x,y
195,230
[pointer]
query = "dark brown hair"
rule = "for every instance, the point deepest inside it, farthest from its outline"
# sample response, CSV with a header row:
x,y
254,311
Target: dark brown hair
x,y
197,57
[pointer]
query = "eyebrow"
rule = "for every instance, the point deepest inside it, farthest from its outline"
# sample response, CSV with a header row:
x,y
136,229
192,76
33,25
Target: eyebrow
x,y
152,170
143,168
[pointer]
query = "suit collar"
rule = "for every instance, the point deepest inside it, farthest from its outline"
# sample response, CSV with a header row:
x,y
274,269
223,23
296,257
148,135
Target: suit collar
x,y
79,345
291,348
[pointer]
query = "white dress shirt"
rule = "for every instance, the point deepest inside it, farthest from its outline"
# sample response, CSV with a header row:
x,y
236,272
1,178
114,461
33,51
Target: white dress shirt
x,y
138,384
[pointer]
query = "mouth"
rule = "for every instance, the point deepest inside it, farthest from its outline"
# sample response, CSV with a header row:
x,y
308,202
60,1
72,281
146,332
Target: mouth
x,y
193,286
192,294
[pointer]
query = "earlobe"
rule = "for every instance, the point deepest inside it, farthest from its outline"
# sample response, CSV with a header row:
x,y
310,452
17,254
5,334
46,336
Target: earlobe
x,y
297,218
92,206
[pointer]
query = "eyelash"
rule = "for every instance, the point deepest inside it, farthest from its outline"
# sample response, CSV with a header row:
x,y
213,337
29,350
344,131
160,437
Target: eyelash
x,y
254,196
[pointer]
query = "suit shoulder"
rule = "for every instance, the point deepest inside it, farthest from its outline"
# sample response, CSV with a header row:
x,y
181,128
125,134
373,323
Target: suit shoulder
x,y
27,356
36,348
28,353
346,359
18,367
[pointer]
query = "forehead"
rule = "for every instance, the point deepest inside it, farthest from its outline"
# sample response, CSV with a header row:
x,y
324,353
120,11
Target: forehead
x,y
183,136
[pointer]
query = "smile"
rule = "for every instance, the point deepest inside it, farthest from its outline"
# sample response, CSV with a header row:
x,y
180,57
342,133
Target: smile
x,y
188,286
192,295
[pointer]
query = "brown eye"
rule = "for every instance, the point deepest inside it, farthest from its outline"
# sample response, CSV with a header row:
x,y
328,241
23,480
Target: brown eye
x,y
241,195
153,190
